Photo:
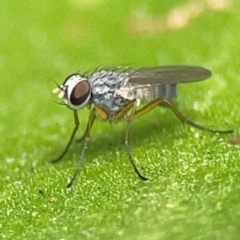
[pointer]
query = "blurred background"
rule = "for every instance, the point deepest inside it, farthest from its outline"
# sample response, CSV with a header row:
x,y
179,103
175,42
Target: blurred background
x,y
43,42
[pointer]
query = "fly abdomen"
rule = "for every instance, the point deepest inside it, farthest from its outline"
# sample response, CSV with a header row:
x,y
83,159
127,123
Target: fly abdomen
x,y
148,93
171,92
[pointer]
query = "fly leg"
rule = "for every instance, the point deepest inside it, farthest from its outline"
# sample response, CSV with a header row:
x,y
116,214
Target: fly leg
x,y
76,120
182,118
85,137
79,140
78,164
138,113
191,123
130,121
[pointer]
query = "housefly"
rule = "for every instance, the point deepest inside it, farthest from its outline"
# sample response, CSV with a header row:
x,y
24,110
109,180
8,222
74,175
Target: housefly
x,y
125,94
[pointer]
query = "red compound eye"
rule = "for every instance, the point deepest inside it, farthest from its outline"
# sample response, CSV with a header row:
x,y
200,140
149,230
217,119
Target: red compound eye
x,y
80,93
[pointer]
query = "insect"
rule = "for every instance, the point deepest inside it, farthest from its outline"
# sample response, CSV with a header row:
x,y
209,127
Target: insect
x,y
125,94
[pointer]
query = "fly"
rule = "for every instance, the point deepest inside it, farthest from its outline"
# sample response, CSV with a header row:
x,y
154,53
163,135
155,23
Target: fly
x,y
125,94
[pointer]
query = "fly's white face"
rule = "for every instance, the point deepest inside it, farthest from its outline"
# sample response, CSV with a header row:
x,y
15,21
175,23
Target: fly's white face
x,y
75,91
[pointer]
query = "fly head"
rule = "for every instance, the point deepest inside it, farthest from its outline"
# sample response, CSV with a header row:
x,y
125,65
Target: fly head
x,y
75,91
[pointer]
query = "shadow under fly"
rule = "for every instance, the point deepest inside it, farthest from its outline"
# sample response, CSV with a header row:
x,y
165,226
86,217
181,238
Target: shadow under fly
x,y
124,94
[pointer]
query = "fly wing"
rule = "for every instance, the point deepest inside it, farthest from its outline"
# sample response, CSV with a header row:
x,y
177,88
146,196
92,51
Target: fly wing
x,y
168,74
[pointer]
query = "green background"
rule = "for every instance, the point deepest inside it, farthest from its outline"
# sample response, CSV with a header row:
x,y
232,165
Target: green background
x,y
193,192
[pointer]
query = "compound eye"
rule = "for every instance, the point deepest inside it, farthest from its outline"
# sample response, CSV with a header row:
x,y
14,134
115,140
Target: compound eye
x,y
80,93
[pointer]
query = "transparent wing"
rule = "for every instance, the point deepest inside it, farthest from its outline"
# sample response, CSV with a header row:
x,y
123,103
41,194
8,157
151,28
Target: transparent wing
x,y
168,74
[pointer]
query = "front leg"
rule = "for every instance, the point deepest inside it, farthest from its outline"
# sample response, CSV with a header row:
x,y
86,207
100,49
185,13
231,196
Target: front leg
x,y
85,137
76,120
